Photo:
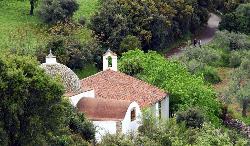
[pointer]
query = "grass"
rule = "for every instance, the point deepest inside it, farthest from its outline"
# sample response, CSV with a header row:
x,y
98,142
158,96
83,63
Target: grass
x,y
89,70
87,8
19,30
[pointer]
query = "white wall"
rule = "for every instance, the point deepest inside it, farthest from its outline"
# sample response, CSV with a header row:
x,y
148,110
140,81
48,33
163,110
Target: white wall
x,y
74,99
127,124
105,62
165,108
104,127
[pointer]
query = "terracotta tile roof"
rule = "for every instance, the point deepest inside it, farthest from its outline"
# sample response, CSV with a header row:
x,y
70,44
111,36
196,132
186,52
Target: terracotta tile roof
x,y
98,109
70,94
110,84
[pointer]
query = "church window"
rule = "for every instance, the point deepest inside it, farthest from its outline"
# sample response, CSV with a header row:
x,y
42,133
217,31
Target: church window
x,y
109,61
133,116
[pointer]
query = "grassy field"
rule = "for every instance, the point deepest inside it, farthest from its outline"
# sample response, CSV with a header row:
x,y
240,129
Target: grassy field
x,y
20,30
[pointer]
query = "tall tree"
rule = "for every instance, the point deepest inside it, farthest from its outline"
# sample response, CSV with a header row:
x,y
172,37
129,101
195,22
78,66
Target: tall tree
x,y
32,109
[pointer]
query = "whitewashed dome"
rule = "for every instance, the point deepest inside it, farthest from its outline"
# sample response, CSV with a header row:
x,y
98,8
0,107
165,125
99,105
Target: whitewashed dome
x,y
70,80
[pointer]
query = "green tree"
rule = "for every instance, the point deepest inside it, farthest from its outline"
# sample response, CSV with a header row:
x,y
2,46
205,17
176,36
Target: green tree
x,y
53,11
155,23
32,109
185,90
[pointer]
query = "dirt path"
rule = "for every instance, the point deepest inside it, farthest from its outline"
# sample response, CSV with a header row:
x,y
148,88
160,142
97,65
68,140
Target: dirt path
x,y
206,35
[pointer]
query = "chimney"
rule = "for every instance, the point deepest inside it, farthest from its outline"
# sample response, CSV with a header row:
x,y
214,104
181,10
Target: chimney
x,y
50,59
110,60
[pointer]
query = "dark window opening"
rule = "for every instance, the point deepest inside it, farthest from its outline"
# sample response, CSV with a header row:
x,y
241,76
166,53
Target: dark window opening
x,y
159,107
133,114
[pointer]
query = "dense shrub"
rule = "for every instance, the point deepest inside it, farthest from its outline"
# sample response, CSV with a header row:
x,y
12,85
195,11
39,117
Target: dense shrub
x,y
172,134
115,140
237,21
130,43
235,59
203,55
69,52
210,75
82,20
191,117
53,11
231,41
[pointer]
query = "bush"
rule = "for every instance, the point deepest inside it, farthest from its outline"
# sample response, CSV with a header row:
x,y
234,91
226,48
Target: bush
x,y
210,75
116,140
204,55
53,11
235,59
69,52
232,41
192,118
130,43
82,20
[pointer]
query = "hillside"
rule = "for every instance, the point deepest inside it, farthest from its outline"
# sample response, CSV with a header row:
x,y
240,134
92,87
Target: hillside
x,y
20,30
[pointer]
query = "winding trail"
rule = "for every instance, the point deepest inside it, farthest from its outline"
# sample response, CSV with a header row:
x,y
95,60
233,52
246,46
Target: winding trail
x,y
206,35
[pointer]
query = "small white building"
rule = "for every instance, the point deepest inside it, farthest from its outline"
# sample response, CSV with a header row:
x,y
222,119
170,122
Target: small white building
x,y
111,99
111,116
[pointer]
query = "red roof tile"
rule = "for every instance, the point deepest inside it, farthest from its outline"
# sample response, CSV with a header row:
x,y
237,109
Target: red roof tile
x,y
98,109
110,84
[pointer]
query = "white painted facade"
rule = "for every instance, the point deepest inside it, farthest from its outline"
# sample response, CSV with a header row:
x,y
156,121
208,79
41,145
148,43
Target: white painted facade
x,y
104,127
161,108
127,126
76,98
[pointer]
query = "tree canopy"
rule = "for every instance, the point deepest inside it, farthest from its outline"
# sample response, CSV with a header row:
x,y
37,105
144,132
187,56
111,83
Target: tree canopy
x,y
156,23
32,108
185,89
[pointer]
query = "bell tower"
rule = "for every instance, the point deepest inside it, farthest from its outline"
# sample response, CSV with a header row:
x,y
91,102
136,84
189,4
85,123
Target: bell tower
x,y
110,60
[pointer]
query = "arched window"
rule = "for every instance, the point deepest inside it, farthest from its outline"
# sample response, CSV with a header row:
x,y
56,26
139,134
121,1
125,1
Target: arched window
x,y
109,61
133,115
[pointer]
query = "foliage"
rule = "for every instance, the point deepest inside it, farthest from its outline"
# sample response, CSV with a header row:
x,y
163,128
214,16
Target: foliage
x,y
237,21
33,111
170,133
229,41
69,51
235,59
185,90
114,140
53,11
240,85
191,117
155,23
202,55
130,43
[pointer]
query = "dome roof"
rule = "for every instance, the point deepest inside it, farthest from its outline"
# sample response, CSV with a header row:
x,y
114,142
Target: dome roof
x,y
70,80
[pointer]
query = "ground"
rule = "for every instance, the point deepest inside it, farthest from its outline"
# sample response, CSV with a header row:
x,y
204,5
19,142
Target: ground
x,y
20,30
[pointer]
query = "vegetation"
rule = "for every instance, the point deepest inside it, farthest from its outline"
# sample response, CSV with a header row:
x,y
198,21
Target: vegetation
x,y
26,95
156,24
174,134
53,11
237,21
185,89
